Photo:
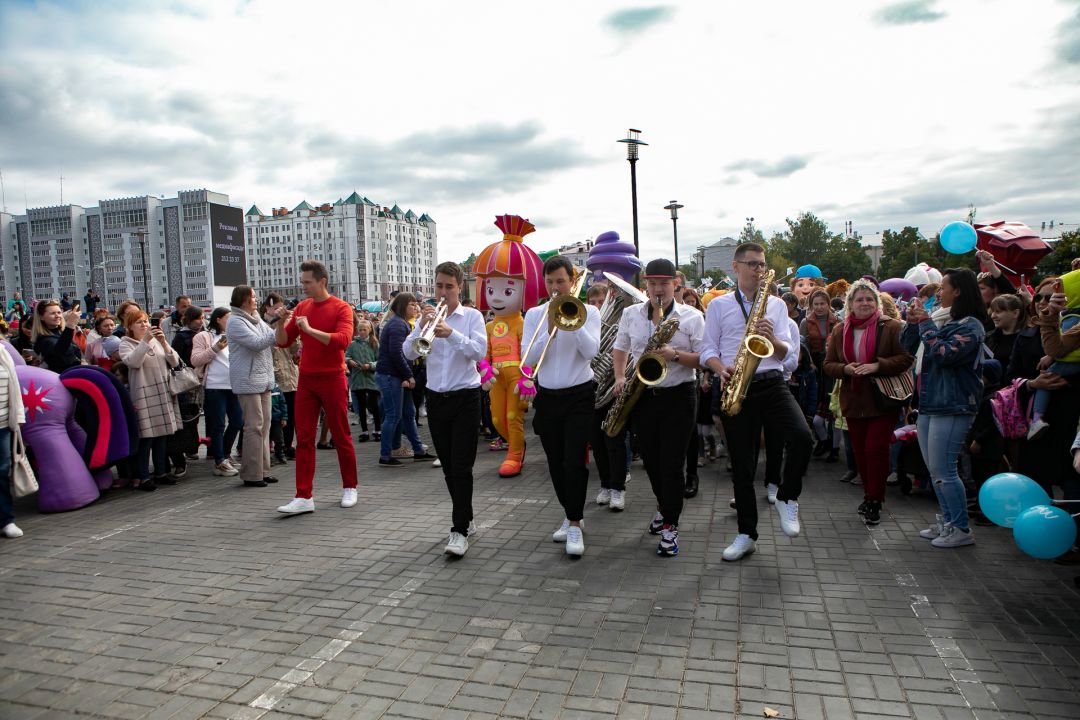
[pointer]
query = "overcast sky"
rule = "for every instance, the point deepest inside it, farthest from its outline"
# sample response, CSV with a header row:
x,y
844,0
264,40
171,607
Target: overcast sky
x,y
883,113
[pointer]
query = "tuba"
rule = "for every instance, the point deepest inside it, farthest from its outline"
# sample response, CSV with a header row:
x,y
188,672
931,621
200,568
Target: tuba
x,y
650,370
752,350
623,295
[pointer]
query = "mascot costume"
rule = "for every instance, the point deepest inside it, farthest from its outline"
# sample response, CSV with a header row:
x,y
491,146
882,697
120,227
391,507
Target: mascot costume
x,y
78,424
808,278
510,278
611,255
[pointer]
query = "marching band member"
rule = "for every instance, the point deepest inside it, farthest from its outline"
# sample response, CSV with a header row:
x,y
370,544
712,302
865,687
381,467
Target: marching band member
x,y
768,403
564,399
663,416
453,393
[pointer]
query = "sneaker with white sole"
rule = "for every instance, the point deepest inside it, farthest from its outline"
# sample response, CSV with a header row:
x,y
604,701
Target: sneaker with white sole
x,y
953,537
893,479
657,524
627,481
225,469
472,529
934,530
457,545
1037,429
771,489
604,496
789,517
436,463
560,534
575,541
348,497
298,506
731,503
669,541
11,531
740,548
618,500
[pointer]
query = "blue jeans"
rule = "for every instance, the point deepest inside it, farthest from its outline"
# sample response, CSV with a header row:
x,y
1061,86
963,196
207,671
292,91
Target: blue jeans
x,y
392,395
7,509
941,438
219,405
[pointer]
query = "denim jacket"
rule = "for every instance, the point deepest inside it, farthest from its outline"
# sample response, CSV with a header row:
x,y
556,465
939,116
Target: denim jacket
x,y
951,379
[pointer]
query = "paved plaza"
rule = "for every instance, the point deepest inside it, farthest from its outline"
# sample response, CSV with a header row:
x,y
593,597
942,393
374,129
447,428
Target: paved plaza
x,y
201,601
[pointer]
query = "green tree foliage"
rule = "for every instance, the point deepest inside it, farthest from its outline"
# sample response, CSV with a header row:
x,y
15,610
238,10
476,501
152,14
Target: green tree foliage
x,y
691,271
1060,260
899,251
844,258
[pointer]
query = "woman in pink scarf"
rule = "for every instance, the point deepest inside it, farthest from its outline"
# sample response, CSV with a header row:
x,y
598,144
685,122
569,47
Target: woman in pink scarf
x,y
865,345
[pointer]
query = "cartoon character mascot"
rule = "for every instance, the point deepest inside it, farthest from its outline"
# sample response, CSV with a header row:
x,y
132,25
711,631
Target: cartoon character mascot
x,y
807,279
510,278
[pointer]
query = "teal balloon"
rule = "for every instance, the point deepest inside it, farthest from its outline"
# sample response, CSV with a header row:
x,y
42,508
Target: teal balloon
x,y
1004,496
958,238
1045,532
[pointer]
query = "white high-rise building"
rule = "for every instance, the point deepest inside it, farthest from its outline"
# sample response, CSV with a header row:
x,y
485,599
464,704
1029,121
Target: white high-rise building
x,y
171,242
369,250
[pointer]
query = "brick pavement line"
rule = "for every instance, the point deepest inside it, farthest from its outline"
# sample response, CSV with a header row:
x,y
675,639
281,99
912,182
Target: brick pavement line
x,y
132,526
947,649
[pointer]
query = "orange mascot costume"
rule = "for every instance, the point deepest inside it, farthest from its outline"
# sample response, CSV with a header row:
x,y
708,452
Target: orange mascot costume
x,y
510,277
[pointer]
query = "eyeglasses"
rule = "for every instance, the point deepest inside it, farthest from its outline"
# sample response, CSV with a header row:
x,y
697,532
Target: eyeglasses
x,y
754,264
1042,298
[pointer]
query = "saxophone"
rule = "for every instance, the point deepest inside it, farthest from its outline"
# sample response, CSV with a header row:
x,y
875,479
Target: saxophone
x,y
752,350
623,295
650,369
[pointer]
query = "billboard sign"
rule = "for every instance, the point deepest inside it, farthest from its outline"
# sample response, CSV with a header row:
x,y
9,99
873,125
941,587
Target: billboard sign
x,y
227,245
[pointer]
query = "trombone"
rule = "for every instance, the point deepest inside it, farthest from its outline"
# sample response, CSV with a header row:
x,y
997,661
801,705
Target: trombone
x,y
422,344
566,312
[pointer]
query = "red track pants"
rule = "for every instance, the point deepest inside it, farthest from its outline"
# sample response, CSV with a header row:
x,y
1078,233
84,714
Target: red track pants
x,y
328,392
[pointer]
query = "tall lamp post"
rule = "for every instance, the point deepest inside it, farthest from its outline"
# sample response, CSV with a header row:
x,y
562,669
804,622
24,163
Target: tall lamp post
x,y
674,208
145,279
632,142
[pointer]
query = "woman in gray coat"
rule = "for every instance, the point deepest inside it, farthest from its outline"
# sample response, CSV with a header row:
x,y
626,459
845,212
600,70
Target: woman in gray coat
x,y
251,371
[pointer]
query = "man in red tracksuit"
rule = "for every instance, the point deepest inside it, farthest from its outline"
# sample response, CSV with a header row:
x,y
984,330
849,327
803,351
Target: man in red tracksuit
x,y
324,324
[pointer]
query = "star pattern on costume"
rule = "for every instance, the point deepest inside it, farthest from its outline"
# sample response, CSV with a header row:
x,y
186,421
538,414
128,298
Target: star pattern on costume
x,y
35,400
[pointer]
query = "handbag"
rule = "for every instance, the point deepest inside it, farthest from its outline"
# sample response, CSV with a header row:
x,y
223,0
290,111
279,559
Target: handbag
x,y
182,379
23,480
893,391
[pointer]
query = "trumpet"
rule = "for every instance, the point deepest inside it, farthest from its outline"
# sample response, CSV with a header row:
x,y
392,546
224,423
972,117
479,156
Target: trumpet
x,y
566,312
422,343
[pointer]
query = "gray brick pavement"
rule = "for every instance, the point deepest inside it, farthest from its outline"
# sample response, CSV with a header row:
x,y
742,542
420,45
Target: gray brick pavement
x,y
199,601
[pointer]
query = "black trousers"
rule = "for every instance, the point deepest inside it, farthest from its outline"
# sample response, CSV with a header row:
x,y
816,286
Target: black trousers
x,y
563,420
289,431
663,419
692,443
452,420
609,453
769,405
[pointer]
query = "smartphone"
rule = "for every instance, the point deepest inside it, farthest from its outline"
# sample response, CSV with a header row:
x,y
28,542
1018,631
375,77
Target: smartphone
x,y
155,322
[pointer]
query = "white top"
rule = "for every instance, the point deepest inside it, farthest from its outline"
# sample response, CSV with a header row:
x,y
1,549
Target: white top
x,y
217,372
725,326
791,360
451,365
5,379
635,329
567,362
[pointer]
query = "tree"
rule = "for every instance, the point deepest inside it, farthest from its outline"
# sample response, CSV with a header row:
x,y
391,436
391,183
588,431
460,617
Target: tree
x,y
805,240
844,257
900,251
467,265
774,255
691,271
1059,261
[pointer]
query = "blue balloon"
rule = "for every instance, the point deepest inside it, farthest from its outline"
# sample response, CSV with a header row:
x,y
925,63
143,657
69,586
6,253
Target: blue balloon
x,y
1045,532
958,238
1004,496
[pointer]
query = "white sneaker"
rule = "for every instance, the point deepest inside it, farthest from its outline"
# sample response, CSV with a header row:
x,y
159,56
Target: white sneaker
x,y
934,530
348,497
298,506
892,479
618,500
721,451
560,534
11,530
604,496
575,542
457,545
739,549
731,503
436,463
627,482
1037,429
952,537
789,517
225,469
771,489
472,528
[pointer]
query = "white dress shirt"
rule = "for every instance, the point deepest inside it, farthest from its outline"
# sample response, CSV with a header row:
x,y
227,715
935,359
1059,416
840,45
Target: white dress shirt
x,y
451,365
635,329
791,360
567,362
725,326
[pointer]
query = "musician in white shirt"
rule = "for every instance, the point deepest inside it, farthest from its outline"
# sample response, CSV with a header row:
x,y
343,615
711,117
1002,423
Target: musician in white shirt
x,y
664,415
565,391
453,394
768,404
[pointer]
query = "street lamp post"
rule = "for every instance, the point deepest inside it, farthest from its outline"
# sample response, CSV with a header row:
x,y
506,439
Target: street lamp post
x,y
632,142
674,208
146,282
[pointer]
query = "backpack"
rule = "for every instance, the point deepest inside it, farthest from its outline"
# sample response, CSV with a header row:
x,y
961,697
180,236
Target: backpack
x,y
1010,418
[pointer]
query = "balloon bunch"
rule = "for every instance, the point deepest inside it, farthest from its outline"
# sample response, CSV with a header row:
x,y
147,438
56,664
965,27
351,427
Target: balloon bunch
x,y
1016,501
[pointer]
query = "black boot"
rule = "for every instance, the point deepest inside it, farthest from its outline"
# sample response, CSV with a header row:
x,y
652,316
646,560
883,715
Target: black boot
x,y
691,486
834,456
821,448
872,516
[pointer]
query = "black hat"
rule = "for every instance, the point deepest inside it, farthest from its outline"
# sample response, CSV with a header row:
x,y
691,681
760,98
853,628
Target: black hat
x,y
660,269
